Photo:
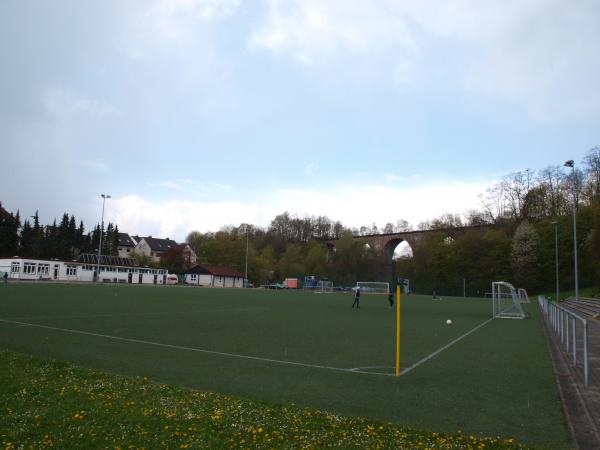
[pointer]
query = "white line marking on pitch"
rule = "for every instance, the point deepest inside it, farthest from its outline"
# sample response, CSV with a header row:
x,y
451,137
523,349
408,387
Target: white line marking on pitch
x,y
190,349
163,313
360,369
450,344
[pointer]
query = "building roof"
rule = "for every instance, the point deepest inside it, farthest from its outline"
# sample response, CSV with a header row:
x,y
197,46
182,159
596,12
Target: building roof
x,y
106,260
159,245
219,271
126,241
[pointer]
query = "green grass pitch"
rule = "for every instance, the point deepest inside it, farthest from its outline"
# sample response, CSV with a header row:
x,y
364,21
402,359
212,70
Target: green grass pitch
x,y
306,349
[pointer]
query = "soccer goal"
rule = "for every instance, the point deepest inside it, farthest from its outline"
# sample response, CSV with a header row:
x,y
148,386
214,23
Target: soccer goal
x,y
373,287
506,303
522,294
324,287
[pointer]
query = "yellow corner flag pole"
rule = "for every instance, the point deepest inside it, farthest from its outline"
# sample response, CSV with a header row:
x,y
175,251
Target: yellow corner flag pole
x,y
398,330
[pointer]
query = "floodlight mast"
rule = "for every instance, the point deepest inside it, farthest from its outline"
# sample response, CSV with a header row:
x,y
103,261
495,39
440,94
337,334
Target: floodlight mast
x,y
555,223
570,163
246,274
104,197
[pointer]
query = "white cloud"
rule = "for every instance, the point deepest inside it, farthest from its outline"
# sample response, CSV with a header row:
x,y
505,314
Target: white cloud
x,y
167,184
62,103
95,165
541,54
176,218
209,186
392,177
176,20
353,205
311,169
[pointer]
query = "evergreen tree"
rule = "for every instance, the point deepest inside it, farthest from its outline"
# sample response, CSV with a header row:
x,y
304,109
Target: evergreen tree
x,y
37,237
26,241
114,250
51,243
9,233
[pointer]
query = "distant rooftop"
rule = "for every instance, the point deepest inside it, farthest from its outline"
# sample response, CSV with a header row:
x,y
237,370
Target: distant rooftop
x,y
107,260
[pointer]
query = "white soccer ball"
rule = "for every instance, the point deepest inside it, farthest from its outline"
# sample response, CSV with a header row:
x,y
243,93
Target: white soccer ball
x,y
448,322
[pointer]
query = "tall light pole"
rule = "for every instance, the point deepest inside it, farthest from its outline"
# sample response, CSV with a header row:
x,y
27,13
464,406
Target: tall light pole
x,y
555,223
570,163
246,275
104,197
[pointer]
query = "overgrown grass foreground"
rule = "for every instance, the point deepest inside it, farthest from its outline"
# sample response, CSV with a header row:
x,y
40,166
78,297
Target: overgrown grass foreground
x,y
51,404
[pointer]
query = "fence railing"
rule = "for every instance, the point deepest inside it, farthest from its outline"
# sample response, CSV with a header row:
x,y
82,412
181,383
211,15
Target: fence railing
x,y
571,330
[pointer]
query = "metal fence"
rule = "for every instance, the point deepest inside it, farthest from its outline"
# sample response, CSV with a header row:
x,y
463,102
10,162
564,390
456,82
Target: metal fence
x,y
571,330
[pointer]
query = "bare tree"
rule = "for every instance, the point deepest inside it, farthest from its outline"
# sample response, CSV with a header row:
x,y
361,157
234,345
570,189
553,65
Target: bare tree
x,y
592,163
551,179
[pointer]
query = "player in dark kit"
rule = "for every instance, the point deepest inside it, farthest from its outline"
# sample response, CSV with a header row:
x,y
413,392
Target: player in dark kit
x,y
391,298
356,297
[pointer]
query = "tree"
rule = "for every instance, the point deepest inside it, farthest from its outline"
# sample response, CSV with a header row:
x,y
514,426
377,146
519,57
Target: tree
x,y
592,162
525,256
9,232
173,260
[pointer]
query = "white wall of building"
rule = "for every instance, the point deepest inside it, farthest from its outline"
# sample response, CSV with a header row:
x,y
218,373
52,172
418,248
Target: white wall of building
x,y
36,269
213,280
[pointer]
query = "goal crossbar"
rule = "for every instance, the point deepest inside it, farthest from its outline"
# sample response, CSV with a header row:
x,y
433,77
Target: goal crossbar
x,y
373,287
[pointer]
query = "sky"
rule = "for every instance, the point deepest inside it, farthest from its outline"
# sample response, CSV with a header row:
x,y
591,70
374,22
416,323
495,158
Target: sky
x,y
196,114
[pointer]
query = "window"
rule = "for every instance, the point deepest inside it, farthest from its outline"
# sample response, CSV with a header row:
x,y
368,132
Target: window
x,y
71,270
43,269
29,267
193,277
15,267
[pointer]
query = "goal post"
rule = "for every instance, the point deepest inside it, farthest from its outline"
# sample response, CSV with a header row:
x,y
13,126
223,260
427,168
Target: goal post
x,y
522,294
323,287
373,287
506,302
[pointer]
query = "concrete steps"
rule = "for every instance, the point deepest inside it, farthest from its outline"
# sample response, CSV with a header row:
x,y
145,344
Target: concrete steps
x,y
586,307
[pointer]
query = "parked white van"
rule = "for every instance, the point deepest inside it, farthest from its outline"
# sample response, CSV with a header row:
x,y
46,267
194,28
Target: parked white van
x,y
172,279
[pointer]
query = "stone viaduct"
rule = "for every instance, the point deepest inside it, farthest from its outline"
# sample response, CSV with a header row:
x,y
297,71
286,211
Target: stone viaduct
x,y
387,243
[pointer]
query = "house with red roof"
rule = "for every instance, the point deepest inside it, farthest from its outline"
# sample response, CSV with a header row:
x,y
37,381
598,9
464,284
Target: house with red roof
x,y
213,276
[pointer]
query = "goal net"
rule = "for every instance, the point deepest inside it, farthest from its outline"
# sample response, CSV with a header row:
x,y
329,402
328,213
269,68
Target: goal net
x,y
506,303
522,294
324,287
373,287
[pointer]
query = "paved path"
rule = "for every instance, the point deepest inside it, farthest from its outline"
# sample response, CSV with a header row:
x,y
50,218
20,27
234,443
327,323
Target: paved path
x,y
581,403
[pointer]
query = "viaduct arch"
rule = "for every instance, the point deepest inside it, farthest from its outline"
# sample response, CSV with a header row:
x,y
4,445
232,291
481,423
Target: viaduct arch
x,y
387,243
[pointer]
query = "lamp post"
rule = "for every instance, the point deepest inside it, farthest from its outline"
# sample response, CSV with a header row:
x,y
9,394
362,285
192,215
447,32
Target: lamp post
x,y
104,197
246,275
570,163
555,223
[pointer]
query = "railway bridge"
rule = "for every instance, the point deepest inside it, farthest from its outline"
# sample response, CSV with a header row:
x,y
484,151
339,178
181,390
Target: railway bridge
x,y
386,243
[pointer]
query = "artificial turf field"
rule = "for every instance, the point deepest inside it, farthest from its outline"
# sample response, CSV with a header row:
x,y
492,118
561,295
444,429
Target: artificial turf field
x,y
307,349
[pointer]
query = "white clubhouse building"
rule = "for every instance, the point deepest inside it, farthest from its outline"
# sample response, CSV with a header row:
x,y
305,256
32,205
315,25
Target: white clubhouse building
x,y
113,269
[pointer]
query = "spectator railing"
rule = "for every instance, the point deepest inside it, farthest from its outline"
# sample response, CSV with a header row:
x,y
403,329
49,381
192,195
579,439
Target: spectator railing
x,y
574,338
